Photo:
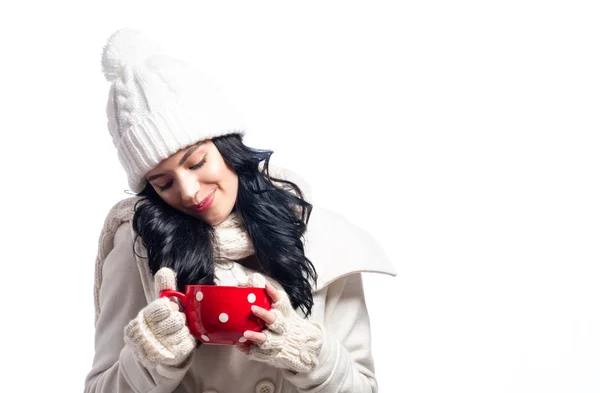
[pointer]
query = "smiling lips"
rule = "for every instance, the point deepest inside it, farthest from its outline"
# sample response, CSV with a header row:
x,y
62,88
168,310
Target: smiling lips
x,y
206,202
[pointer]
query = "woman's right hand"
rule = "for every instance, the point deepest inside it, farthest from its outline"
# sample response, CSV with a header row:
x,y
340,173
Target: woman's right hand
x,y
159,335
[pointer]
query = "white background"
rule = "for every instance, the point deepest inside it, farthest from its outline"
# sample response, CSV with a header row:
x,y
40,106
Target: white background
x,y
462,135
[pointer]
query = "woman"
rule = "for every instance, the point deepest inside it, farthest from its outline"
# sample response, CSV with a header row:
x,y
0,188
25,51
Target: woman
x,y
211,210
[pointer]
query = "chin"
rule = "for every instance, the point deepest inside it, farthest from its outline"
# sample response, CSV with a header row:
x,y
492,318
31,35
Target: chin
x,y
217,217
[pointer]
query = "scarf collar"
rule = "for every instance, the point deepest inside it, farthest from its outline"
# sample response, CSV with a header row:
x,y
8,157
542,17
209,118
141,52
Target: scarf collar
x,y
233,241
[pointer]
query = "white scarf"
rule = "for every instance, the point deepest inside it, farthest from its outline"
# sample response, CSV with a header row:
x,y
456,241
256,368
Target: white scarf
x,y
233,241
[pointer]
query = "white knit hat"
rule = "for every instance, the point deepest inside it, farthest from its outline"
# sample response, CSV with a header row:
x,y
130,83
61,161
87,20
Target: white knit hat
x,y
158,105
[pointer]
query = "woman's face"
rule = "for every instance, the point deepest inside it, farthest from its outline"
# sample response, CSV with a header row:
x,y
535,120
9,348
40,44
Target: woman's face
x,y
197,181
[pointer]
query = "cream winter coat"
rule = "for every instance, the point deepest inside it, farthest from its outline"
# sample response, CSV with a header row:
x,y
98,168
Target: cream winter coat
x,y
339,251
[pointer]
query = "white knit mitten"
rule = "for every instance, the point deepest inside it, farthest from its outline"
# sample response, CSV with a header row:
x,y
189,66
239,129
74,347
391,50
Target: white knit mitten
x,y
292,343
159,335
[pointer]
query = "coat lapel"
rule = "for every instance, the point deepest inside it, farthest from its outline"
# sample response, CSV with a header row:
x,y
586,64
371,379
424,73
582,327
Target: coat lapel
x,y
335,246
338,248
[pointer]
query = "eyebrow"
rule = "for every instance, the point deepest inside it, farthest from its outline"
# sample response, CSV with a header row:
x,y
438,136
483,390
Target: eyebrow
x,y
185,157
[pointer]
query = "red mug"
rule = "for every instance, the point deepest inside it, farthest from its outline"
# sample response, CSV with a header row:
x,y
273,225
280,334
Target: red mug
x,y
221,314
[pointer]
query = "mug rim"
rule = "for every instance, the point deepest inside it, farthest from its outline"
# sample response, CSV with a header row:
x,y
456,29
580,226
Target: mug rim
x,y
228,287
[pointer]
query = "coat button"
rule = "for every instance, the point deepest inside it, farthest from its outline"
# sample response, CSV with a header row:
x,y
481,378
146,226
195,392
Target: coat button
x,y
264,386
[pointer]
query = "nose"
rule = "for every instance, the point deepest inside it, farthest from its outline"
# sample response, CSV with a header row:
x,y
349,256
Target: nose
x,y
189,187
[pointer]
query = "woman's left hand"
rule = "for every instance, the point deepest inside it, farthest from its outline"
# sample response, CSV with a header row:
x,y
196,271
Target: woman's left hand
x,y
289,341
268,316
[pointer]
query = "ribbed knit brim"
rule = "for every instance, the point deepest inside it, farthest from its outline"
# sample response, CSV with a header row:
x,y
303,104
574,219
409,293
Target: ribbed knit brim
x,y
160,135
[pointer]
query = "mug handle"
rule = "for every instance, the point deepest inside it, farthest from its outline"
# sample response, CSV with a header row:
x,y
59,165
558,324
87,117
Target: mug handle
x,y
177,294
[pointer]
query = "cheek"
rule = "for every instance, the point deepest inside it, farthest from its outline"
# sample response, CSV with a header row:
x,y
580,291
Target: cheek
x,y
213,172
171,200
218,172
227,180
232,183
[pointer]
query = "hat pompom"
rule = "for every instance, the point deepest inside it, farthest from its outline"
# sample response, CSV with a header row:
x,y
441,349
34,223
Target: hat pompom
x,y
125,46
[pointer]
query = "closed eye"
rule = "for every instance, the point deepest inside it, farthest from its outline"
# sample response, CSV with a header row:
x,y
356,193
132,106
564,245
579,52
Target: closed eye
x,y
198,165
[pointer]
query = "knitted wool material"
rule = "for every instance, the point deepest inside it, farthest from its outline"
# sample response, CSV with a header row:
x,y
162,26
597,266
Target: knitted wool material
x,y
158,104
121,212
233,241
292,343
159,335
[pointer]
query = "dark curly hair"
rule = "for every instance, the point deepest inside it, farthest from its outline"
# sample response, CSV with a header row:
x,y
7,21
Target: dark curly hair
x,y
275,218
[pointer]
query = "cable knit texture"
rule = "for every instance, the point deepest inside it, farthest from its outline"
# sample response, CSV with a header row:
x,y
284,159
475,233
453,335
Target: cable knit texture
x,y
233,241
158,104
159,335
121,212
292,343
